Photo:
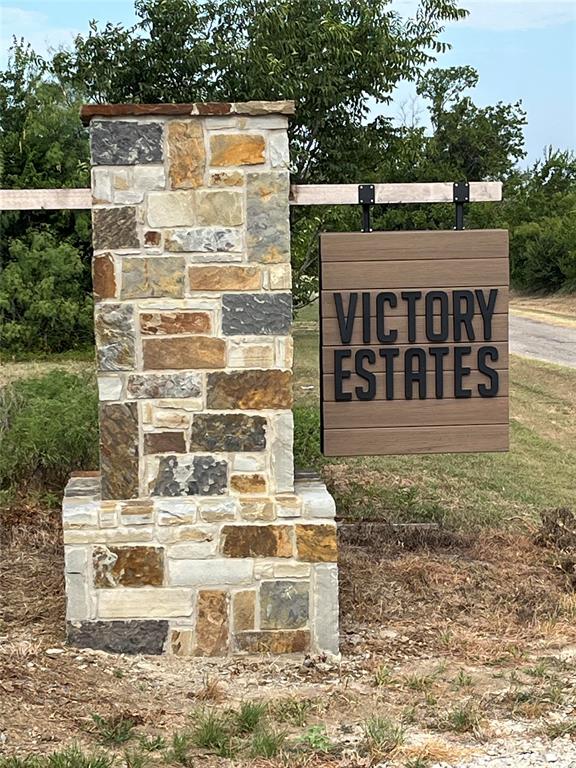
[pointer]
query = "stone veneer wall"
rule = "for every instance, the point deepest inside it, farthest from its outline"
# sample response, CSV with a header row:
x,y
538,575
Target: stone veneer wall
x,y
194,537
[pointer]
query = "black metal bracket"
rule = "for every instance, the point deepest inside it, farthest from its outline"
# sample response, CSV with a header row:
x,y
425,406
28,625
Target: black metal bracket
x,y
461,195
366,198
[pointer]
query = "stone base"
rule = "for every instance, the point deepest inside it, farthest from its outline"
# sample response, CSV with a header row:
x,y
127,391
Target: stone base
x,y
202,576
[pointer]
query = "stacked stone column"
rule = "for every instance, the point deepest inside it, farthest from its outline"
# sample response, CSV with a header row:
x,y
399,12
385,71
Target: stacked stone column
x,y
194,538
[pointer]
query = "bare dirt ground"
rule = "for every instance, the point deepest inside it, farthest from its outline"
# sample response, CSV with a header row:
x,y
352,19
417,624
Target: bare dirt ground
x,y
466,643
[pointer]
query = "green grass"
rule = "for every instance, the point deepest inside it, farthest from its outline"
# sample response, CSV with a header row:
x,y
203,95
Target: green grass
x,y
459,490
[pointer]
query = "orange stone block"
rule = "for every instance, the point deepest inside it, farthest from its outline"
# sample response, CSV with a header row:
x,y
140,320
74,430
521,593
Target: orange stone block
x,y
224,278
169,323
248,483
316,543
244,610
212,623
103,277
257,541
247,390
283,641
183,353
186,154
236,149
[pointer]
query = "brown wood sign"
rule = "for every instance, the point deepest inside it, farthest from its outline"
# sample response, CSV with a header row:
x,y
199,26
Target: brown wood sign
x,y
414,342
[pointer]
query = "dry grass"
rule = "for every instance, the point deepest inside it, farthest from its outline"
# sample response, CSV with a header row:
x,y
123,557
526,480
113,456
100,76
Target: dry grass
x,y
558,309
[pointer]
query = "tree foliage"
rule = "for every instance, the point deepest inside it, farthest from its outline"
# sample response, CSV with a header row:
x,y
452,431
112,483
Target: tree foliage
x,y
340,60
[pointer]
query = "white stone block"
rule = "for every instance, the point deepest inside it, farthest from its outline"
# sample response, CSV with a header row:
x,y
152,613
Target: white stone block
x,y
171,534
110,387
201,573
213,510
282,452
291,570
288,505
80,602
192,550
171,209
263,122
284,351
263,570
280,277
279,150
76,559
79,513
175,511
242,354
144,603
248,462
325,608
101,185
316,501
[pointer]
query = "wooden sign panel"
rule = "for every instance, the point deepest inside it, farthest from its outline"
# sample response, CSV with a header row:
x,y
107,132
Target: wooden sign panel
x,y
414,342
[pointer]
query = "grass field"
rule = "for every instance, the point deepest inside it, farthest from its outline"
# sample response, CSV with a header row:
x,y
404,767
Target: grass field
x,y
462,490
451,641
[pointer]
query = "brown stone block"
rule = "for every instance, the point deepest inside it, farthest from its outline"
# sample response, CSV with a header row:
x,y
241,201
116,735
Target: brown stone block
x,y
119,450
227,179
128,567
224,278
256,541
248,483
250,390
256,509
316,543
169,323
287,641
228,432
236,149
152,238
244,610
164,442
152,277
182,642
218,207
103,277
186,154
114,228
212,623
183,353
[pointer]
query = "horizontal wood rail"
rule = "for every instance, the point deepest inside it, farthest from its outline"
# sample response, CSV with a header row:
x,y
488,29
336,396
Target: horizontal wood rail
x,y
300,194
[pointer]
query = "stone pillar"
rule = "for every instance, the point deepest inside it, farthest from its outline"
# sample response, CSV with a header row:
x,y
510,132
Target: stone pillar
x,y
194,537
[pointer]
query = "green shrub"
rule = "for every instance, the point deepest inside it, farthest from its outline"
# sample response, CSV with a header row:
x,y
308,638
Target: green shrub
x,y
48,428
44,300
307,453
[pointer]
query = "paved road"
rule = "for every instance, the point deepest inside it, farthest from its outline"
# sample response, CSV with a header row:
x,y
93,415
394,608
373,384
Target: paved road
x,y
543,341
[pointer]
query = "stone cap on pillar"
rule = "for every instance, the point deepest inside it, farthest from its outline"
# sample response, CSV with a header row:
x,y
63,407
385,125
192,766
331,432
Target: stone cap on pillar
x,y
208,108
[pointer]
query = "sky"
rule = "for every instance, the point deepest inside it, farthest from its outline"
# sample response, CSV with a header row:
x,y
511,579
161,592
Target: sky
x,y
523,50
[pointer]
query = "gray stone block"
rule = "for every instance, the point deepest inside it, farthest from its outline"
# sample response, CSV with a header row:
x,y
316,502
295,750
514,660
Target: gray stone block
x,y
114,331
284,604
125,143
191,476
164,385
256,314
228,432
114,228
147,636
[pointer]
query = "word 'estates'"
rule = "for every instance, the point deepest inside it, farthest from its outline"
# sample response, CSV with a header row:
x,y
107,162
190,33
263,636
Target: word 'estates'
x,y
414,330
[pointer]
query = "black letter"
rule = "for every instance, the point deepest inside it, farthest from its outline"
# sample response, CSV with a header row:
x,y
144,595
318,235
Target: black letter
x,y
487,309
411,376
370,393
340,375
438,353
463,316
492,353
383,337
411,297
346,324
431,297
389,354
366,331
460,371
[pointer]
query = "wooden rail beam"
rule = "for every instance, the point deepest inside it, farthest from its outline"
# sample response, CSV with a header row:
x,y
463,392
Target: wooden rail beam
x,y
300,194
